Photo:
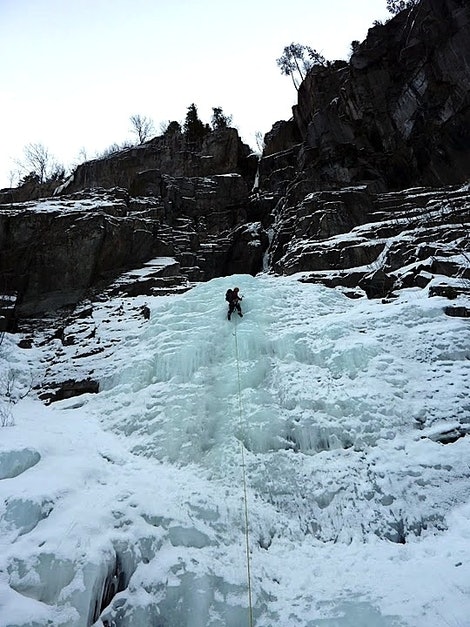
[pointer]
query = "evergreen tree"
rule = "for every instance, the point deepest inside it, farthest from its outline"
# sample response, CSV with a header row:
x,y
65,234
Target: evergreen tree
x,y
193,128
173,128
219,119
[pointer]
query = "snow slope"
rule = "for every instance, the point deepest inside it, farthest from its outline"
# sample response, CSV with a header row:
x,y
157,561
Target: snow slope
x,y
126,508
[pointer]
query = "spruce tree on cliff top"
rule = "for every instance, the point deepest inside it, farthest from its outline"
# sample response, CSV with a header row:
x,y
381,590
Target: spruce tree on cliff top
x,y
194,129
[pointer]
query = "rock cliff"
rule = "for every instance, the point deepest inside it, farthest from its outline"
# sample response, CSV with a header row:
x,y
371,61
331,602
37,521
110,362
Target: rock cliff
x,y
137,168
342,173
397,115
363,189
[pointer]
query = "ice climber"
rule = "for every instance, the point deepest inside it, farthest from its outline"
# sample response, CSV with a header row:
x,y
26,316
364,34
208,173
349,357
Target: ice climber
x,y
233,297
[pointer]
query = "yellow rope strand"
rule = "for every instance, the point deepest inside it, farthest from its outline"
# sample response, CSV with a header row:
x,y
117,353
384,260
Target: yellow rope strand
x,y
245,499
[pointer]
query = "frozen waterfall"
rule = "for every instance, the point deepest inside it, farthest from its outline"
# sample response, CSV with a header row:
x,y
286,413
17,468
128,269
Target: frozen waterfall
x,y
127,507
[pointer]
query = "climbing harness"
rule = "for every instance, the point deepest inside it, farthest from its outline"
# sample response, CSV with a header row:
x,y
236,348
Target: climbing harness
x,y
245,499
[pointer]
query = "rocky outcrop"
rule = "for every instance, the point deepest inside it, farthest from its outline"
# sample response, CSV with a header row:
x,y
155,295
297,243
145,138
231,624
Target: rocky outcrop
x,y
379,243
395,117
141,167
68,389
7,312
31,189
331,200
398,114
52,252
283,136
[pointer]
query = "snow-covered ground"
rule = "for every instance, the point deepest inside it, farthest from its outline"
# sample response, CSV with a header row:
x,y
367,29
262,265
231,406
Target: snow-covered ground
x,y
126,508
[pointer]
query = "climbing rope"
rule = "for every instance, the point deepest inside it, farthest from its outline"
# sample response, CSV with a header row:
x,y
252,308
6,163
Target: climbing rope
x,y
245,499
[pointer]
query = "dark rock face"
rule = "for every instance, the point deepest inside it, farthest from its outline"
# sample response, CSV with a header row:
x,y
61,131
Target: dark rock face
x,y
141,167
173,200
378,242
70,389
398,114
246,253
282,136
32,189
8,312
335,199
457,312
52,252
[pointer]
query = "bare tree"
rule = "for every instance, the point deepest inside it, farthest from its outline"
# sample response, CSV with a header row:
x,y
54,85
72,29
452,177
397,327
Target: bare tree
x,y
13,177
11,392
82,155
297,59
36,160
112,149
142,126
6,415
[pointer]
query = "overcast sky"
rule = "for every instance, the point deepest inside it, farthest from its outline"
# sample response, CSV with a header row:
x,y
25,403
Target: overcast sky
x,y
72,72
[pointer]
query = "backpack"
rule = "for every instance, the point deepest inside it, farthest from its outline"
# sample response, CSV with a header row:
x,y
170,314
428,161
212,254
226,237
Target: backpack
x,y
228,295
